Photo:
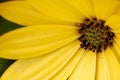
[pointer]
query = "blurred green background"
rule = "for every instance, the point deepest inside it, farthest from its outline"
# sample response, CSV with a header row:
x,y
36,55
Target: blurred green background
x,y
6,26
3,0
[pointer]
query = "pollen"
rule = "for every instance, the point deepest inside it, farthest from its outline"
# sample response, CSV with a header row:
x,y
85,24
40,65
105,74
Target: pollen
x,y
95,35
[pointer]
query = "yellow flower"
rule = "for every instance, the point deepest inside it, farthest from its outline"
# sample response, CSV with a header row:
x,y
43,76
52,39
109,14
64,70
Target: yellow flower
x,y
66,40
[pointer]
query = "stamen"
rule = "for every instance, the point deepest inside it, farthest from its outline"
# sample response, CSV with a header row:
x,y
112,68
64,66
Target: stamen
x,y
96,36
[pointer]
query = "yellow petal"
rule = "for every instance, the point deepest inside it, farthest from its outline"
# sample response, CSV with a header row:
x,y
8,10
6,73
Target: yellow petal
x,y
116,47
36,40
116,50
117,38
23,13
66,71
118,10
84,6
113,64
102,69
105,8
114,22
85,70
41,68
108,67
58,9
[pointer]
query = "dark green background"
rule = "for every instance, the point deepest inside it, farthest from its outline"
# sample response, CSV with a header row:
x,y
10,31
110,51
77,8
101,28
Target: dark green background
x,y
3,0
6,26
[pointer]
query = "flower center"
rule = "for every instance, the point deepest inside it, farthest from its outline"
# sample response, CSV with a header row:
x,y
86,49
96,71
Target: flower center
x,y
96,36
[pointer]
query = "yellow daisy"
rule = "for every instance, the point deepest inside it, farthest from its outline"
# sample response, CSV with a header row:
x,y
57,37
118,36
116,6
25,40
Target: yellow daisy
x,y
65,40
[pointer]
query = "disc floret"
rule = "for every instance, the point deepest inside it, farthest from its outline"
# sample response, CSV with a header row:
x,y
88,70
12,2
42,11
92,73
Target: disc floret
x,y
96,36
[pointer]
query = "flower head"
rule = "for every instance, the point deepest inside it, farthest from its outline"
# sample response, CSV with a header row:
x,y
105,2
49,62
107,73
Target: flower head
x,y
65,40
